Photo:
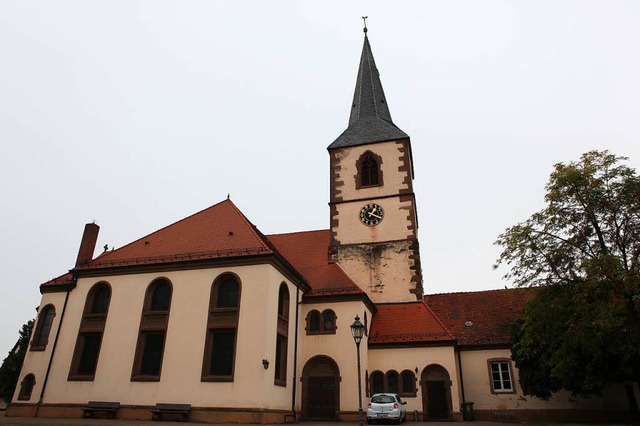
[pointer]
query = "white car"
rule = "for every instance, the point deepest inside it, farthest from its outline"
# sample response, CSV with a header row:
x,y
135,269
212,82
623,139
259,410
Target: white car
x,y
386,406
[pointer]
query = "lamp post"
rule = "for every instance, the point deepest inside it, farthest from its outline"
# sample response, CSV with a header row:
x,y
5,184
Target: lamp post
x,y
357,331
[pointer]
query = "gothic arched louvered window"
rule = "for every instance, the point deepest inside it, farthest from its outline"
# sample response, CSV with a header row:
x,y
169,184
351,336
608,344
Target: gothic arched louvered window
x,y
222,329
43,328
147,363
89,340
369,170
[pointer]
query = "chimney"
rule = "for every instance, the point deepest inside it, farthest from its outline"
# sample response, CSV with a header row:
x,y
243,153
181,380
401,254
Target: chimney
x,y
88,244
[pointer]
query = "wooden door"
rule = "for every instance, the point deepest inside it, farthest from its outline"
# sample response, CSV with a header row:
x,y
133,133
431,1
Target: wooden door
x,y
321,402
437,400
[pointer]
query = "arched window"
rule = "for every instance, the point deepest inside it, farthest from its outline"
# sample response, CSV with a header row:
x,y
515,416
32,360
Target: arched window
x,y
161,296
147,363
377,382
94,317
313,322
369,170
403,384
43,329
392,381
407,383
26,387
321,323
283,301
222,328
329,321
282,336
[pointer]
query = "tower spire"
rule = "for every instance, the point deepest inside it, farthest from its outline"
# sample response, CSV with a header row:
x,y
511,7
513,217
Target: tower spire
x,y
370,119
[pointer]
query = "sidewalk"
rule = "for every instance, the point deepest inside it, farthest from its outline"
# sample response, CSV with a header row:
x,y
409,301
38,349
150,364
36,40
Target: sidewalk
x,y
23,421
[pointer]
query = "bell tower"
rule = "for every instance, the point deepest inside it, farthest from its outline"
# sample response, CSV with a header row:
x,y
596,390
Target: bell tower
x,y
374,221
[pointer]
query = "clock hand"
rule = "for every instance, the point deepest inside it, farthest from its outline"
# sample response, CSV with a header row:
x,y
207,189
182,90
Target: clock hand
x,y
374,215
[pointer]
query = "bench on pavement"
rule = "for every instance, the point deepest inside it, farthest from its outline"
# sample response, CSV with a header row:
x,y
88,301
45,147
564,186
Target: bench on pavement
x,y
105,406
179,409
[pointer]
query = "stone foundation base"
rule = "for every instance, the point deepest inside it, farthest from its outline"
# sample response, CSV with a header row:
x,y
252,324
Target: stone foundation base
x,y
138,412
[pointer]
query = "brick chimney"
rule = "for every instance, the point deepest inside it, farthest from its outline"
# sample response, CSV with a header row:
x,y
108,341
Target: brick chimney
x,y
88,244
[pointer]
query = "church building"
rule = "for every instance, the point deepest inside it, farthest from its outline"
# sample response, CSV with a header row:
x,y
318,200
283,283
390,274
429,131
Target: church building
x,y
252,328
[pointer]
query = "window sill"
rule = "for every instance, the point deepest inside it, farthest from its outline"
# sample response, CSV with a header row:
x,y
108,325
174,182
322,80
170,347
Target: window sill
x,y
505,392
80,378
216,379
314,333
145,378
37,348
279,382
408,395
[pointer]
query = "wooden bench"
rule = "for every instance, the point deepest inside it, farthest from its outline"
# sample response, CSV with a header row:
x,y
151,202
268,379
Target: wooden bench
x,y
108,407
181,409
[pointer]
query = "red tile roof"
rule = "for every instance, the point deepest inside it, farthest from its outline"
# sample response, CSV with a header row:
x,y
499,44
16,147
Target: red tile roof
x,y
407,323
215,232
480,318
308,253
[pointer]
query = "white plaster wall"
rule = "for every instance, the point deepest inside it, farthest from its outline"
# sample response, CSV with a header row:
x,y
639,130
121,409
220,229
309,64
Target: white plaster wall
x,y
400,359
477,389
182,364
36,362
340,347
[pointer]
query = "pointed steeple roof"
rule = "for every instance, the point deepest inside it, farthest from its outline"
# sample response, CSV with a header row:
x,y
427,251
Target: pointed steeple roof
x,y
370,119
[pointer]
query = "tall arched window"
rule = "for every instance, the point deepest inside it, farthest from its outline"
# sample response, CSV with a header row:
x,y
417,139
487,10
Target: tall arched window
x,y
147,363
89,340
26,387
43,328
222,329
369,170
282,336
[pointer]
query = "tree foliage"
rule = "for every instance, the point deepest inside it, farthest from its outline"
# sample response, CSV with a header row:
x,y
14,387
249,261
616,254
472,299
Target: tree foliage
x,y
12,364
582,330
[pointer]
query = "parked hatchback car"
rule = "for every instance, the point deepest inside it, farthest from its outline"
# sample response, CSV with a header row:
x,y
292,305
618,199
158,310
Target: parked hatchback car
x,y
386,406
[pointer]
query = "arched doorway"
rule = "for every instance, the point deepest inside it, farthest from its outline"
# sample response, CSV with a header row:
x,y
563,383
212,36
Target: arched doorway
x,y
320,389
436,392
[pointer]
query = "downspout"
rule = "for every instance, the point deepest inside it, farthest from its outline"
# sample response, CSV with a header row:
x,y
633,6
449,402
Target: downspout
x,y
461,376
53,351
295,357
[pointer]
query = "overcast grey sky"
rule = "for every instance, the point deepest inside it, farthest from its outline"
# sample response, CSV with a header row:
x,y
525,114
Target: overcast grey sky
x,y
138,113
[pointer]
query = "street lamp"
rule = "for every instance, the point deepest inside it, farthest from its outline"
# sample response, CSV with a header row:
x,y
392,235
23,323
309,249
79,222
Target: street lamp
x,y
357,331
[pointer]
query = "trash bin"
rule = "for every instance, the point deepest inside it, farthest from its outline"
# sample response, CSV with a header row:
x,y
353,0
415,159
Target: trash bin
x,y
467,411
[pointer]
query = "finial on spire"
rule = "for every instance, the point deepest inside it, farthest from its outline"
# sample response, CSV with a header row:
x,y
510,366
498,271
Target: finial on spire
x,y
364,18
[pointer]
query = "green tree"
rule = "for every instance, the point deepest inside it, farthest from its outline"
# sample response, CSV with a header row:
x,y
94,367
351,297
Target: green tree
x,y
582,330
12,364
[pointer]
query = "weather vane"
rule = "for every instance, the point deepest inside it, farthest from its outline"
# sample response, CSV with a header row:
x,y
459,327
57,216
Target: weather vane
x,y
364,18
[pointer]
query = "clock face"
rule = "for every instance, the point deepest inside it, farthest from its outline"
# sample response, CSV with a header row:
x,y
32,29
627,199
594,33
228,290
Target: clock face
x,y
371,214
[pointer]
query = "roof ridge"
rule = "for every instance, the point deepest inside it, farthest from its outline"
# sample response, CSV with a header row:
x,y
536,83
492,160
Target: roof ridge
x,y
254,228
297,232
478,291
438,319
156,231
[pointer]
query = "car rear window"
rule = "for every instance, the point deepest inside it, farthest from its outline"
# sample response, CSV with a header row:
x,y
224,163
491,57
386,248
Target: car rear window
x,y
383,399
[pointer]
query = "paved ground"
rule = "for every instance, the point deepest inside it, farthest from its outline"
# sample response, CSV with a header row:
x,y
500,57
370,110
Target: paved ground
x,y
22,421
25,421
